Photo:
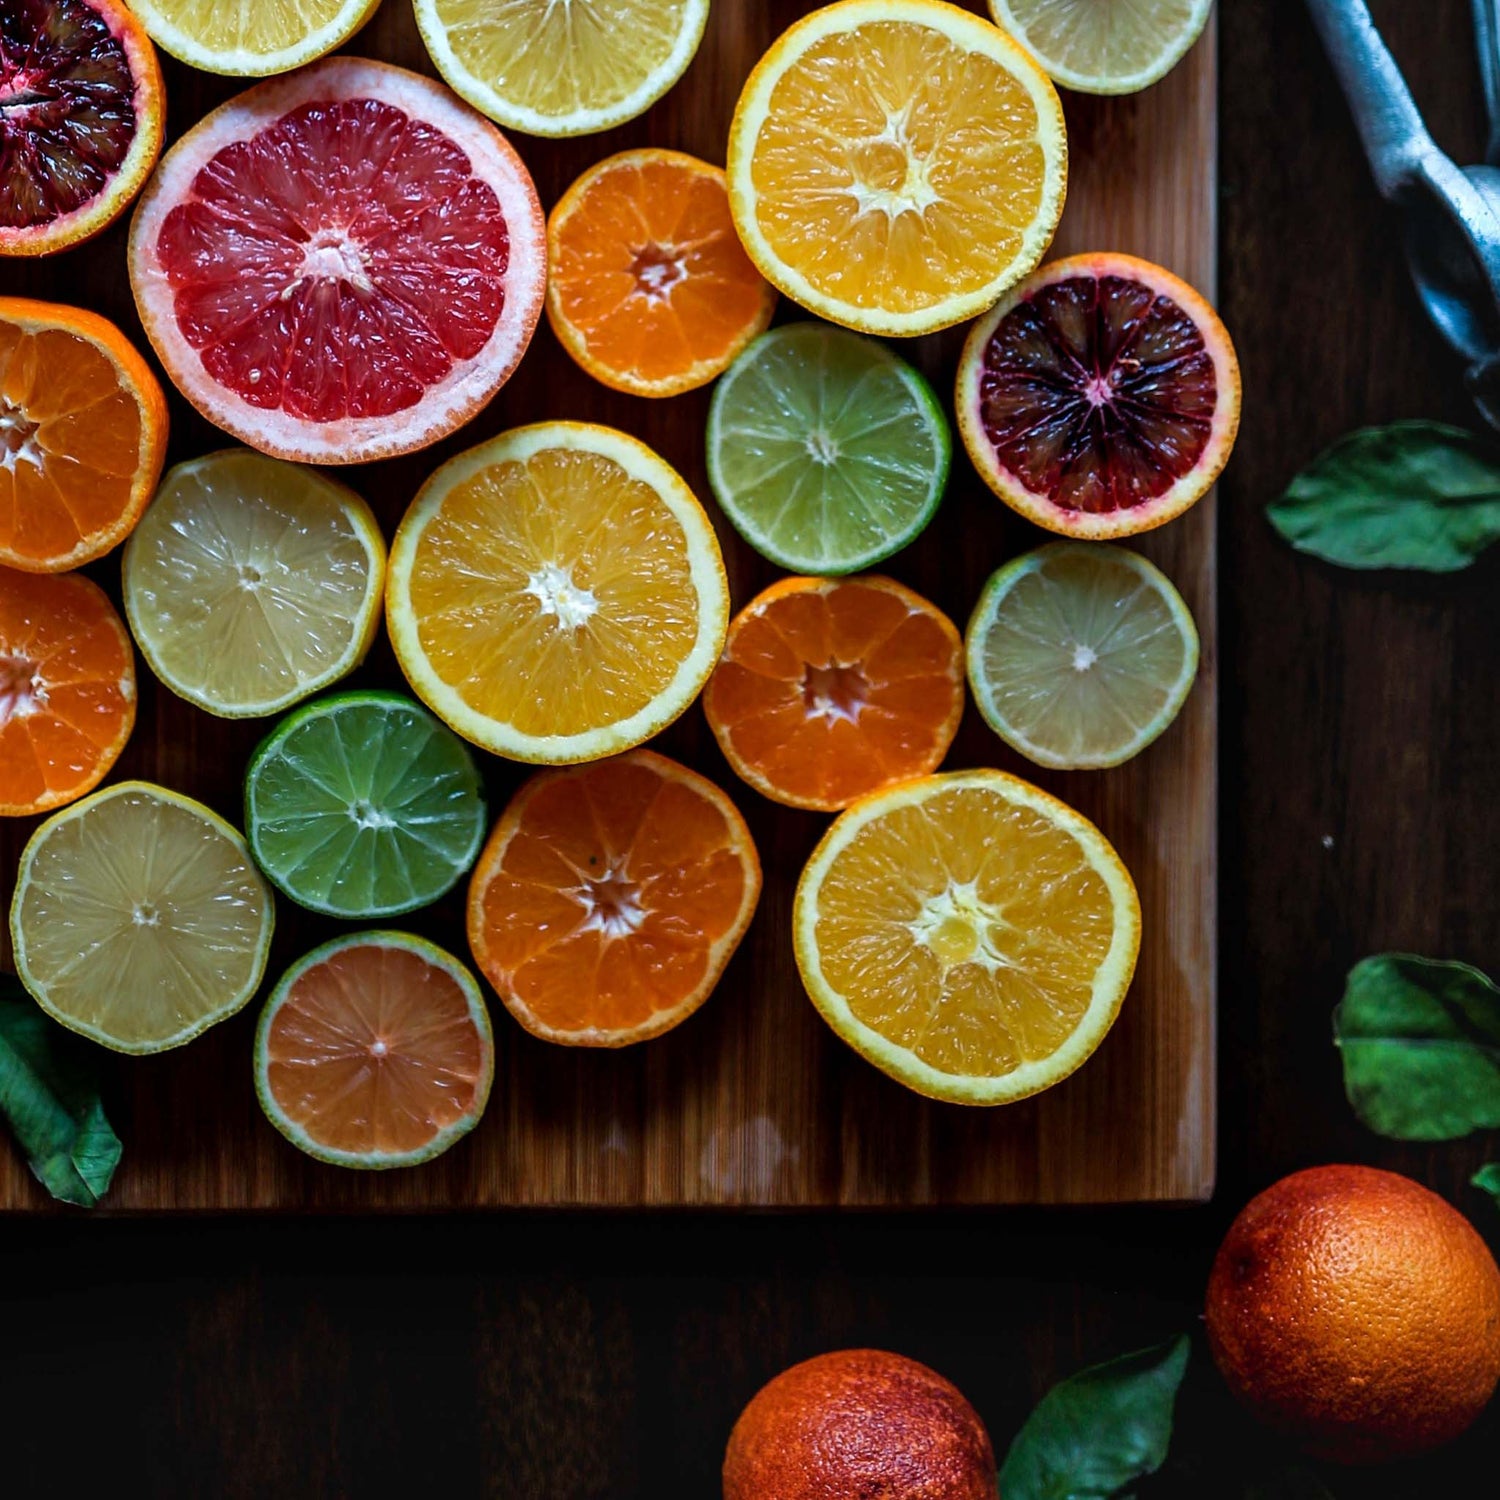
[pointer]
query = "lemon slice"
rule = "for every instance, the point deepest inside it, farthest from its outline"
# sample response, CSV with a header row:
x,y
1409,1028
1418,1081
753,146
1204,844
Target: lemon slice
x,y
968,934
254,37
251,583
561,67
1104,46
139,918
895,165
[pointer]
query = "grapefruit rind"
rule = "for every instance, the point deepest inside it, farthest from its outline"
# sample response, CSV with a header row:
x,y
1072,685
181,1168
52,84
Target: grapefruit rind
x,y
375,1161
467,387
1111,980
244,63
1187,490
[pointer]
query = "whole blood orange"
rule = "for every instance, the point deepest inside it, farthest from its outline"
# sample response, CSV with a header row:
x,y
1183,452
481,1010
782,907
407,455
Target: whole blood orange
x,y
1357,1312
859,1422
341,264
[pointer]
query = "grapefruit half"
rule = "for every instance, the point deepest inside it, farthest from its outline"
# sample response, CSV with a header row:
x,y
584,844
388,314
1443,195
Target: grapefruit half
x,y
340,265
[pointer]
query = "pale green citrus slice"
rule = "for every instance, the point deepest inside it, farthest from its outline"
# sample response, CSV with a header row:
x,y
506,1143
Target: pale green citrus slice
x,y
826,451
363,805
251,37
139,918
968,934
251,583
375,1050
1104,46
561,67
1080,654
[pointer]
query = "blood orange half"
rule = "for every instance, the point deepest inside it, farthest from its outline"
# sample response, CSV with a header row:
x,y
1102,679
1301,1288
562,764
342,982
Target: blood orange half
x,y
1100,398
342,264
80,119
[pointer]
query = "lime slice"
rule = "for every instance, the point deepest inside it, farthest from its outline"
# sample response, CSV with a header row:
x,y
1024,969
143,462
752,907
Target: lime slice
x,y
1080,654
139,918
826,451
251,583
363,805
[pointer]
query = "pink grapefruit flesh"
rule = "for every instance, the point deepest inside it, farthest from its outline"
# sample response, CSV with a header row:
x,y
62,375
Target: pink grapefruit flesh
x,y
340,265
1101,397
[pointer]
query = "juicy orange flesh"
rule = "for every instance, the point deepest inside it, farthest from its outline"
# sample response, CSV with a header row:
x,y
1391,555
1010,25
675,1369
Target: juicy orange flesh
x,y
829,693
67,688
651,274
374,1051
608,903
70,442
555,594
967,929
896,169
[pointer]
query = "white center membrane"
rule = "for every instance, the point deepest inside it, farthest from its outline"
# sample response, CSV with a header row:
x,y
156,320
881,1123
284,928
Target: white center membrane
x,y
954,926
553,588
612,904
22,692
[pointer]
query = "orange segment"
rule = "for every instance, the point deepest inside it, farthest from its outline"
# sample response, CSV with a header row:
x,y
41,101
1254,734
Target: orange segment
x,y
610,897
375,1051
83,432
830,689
67,689
648,287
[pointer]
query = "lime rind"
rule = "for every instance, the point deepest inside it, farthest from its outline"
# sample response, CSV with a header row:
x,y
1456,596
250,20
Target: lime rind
x,y
1148,666
363,805
826,451
375,1160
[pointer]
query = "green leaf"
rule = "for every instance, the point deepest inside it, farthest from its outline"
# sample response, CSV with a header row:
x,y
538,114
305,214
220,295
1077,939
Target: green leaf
x,y
1487,1180
1420,1039
1099,1431
49,1094
1411,495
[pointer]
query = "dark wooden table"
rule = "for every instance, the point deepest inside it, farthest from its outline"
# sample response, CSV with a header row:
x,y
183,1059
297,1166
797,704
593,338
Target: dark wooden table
x,y
604,1357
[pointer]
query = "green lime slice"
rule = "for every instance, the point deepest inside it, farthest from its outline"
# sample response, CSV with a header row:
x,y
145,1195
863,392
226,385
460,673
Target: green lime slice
x,y
826,451
363,805
1080,654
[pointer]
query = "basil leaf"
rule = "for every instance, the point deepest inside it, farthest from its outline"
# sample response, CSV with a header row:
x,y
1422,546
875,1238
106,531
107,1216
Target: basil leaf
x,y
1487,1180
1100,1430
1411,495
1420,1040
48,1093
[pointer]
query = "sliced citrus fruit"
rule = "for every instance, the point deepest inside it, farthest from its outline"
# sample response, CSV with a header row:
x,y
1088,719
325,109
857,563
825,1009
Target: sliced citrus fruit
x,y
826,451
252,39
1102,46
81,120
83,432
968,934
1101,398
363,805
67,689
557,593
568,69
895,165
375,1050
251,583
610,897
648,287
831,689
340,265
1080,655
139,918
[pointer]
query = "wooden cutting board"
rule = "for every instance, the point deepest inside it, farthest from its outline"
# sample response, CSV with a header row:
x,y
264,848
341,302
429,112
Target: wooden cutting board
x,y
753,1101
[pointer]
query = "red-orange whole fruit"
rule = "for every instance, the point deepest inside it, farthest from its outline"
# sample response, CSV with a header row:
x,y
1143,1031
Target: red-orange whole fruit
x,y
1357,1312
859,1425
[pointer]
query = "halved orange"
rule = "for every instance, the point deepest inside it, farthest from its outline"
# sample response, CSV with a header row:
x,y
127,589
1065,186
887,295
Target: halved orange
x,y
83,433
67,689
648,287
832,688
610,897
375,1050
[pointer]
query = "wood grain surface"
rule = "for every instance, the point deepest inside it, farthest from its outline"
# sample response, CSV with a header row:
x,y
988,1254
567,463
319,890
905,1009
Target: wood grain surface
x,y
753,1101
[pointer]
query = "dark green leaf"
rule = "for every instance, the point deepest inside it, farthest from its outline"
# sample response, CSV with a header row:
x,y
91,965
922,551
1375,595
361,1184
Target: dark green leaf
x,y
1487,1180
1411,495
1099,1431
1420,1040
49,1094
